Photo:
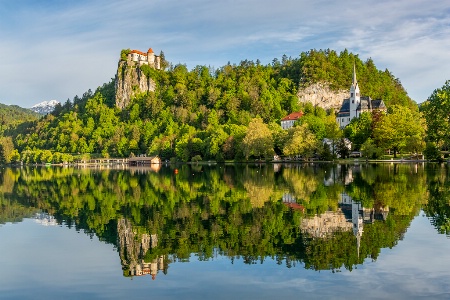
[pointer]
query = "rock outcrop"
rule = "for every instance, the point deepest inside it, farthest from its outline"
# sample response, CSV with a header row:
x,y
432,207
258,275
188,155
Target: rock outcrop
x,y
130,81
321,95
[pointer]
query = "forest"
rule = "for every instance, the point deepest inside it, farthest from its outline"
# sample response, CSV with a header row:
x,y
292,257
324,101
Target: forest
x,y
231,113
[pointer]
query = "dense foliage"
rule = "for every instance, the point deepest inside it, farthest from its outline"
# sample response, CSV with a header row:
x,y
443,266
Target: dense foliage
x,y
210,113
401,129
12,116
437,114
336,69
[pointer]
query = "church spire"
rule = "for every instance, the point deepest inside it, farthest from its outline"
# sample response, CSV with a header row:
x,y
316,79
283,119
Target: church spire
x,y
354,74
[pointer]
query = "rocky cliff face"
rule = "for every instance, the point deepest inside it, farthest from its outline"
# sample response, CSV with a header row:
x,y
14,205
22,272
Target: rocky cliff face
x,y
321,95
130,81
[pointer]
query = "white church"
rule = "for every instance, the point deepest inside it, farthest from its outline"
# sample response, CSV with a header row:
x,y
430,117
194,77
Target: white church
x,y
354,106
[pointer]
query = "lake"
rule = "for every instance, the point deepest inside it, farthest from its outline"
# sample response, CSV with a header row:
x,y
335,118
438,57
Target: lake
x,y
262,231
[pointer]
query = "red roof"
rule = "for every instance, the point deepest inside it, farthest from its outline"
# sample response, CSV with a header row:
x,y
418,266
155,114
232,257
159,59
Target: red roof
x,y
138,52
293,116
150,50
295,206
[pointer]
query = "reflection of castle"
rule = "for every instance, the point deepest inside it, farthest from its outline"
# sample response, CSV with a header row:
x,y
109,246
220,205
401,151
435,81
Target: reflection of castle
x,y
133,248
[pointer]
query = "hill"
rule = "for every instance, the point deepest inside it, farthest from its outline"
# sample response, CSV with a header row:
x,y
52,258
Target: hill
x,y
12,116
204,112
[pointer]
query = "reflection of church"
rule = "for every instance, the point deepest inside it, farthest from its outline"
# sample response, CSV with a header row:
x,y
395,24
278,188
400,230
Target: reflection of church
x,y
133,247
358,215
351,216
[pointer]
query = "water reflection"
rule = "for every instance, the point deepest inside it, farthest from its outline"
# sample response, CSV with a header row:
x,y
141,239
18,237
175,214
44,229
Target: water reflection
x,y
320,217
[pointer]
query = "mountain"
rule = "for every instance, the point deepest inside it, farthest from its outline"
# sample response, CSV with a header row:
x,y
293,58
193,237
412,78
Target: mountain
x,y
45,107
12,116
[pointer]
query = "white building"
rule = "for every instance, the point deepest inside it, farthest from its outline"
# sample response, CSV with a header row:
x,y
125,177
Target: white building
x,y
148,58
288,121
355,105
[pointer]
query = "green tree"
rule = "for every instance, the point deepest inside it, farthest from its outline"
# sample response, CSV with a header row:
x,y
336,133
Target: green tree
x,y
6,149
369,150
300,141
258,140
398,128
359,130
436,111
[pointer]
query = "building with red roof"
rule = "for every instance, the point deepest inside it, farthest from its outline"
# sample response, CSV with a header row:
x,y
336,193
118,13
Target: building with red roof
x,y
148,58
288,121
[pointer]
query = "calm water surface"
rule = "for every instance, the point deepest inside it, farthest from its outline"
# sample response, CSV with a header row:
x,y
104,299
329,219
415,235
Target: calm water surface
x,y
226,232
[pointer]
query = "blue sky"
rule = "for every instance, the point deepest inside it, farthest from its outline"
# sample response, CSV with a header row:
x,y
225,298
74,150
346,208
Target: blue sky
x,y
59,49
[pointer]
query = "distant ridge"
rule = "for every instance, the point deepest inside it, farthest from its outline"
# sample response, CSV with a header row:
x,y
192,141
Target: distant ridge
x,y
45,107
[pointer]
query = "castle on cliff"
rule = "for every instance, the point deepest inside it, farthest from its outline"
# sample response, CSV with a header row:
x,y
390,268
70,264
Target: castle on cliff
x,y
142,58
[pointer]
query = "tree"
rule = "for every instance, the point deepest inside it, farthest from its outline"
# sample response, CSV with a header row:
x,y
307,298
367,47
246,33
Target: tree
x,y
359,130
6,149
315,124
436,111
432,152
332,131
258,140
400,128
369,149
300,141
342,148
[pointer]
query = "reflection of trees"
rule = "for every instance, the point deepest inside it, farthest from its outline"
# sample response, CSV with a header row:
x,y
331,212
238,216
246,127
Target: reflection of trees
x,y
259,184
159,218
438,206
12,209
401,187
306,184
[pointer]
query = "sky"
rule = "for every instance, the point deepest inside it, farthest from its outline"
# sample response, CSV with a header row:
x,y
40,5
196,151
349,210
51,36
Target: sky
x,y
59,49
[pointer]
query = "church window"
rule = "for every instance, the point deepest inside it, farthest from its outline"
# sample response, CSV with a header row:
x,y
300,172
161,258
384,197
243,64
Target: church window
x,y
351,94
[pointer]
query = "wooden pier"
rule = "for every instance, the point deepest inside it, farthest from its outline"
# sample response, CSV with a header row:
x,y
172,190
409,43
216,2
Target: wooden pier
x,y
131,161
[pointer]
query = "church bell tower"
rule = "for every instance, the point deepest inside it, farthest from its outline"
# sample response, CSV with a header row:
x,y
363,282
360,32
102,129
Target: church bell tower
x,y
355,96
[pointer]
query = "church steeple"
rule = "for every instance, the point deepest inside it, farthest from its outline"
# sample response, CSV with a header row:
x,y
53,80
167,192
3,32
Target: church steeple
x,y
355,99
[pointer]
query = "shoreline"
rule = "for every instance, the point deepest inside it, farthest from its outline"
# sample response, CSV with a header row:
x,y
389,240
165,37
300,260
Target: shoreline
x,y
114,165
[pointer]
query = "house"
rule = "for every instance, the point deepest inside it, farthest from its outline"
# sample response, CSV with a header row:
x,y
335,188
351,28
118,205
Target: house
x,y
288,121
148,58
354,106
144,160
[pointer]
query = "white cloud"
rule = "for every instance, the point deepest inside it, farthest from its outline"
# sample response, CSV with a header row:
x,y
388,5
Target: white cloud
x,y
59,51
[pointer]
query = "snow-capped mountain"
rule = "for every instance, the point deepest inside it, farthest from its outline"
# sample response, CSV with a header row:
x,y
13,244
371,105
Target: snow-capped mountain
x,y
45,107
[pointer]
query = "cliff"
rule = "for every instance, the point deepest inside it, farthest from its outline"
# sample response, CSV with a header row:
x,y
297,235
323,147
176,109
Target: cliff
x,y
321,95
130,81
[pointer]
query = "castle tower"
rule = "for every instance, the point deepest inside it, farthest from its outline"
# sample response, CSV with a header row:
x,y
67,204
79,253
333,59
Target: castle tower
x,y
157,62
151,57
355,96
